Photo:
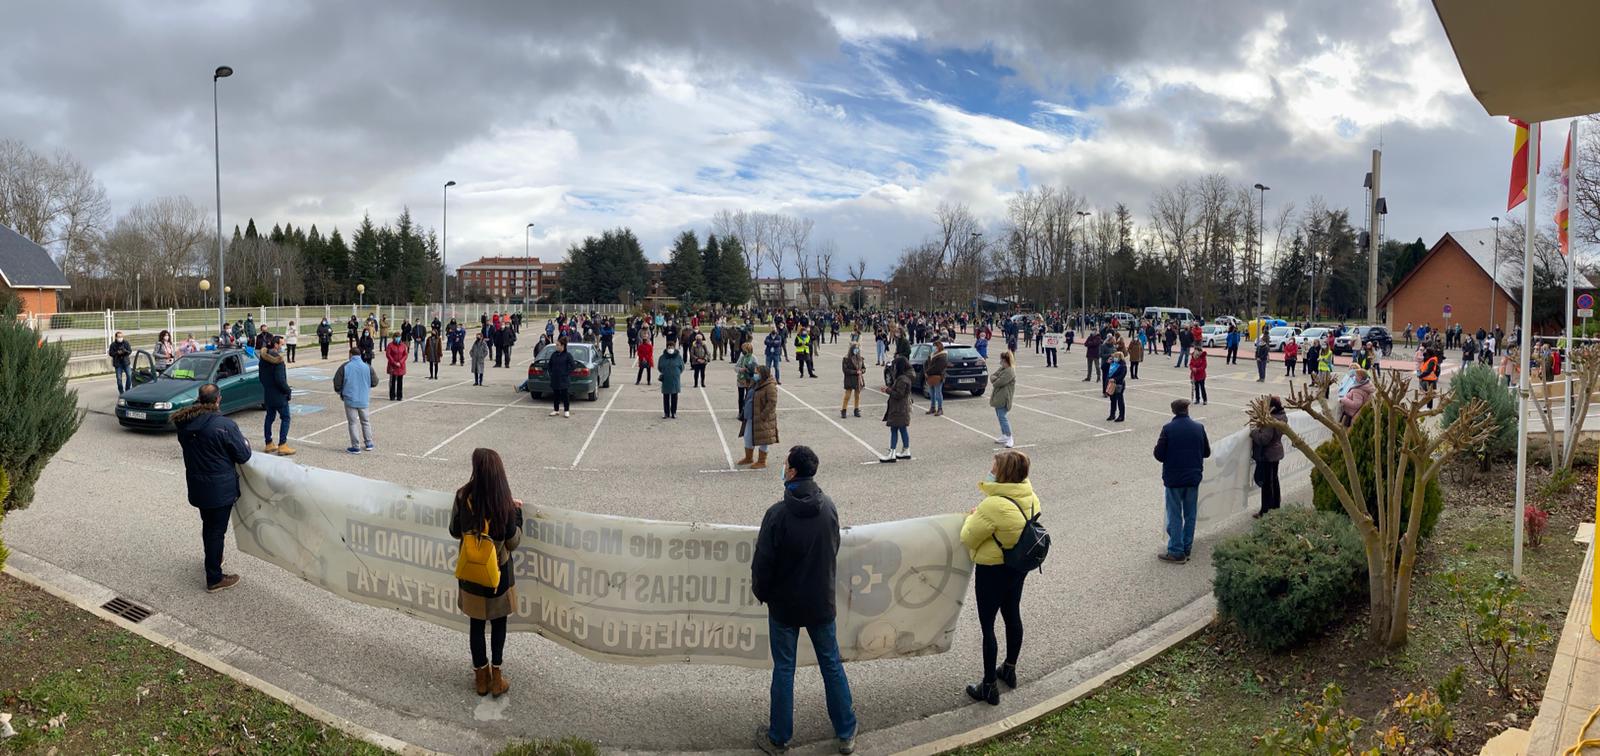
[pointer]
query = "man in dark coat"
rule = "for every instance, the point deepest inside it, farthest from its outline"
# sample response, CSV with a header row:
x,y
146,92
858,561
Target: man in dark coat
x,y
275,392
793,573
1181,450
213,448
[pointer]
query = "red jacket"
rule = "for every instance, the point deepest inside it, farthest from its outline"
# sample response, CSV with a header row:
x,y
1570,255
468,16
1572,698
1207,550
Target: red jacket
x,y
1197,366
647,353
397,353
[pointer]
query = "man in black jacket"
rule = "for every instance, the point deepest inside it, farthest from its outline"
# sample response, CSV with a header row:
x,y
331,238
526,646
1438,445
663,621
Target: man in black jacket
x,y
1181,450
275,393
793,573
119,352
213,448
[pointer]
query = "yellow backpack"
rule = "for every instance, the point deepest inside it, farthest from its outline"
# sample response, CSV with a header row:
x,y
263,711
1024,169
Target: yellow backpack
x,y
478,562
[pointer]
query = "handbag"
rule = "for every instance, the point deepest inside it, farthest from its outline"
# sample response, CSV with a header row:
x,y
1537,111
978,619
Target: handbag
x,y
478,561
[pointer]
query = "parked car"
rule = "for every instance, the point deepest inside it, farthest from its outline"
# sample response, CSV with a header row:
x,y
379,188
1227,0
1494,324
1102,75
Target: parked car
x,y
1213,335
591,371
1278,336
156,395
1228,320
1376,334
1309,336
967,371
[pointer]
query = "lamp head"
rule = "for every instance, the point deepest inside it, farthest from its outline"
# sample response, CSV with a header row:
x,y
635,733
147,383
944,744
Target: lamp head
x,y
205,285
1263,187
222,72
449,183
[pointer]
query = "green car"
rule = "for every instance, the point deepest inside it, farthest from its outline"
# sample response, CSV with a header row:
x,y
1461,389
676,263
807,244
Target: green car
x,y
156,395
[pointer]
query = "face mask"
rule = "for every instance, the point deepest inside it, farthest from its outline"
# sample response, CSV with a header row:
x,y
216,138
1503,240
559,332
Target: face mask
x,y
988,478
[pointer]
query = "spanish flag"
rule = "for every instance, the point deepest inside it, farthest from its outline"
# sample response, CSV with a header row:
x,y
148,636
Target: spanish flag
x,y
1519,165
1564,190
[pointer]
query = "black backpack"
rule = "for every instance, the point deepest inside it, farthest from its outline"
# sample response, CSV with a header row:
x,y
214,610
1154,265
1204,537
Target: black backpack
x,y
1032,546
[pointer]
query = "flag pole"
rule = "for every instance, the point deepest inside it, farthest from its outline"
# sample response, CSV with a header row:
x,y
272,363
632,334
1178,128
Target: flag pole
x,y
1524,348
1569,179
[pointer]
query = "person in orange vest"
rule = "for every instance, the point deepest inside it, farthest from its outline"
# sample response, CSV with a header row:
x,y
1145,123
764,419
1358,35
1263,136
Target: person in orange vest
x,y
1428,374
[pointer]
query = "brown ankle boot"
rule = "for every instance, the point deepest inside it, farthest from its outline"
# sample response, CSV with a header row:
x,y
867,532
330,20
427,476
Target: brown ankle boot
x,y
480,680
761,464
749,456
498,684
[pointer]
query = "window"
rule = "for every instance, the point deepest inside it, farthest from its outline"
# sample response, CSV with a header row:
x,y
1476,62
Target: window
x,y
230,367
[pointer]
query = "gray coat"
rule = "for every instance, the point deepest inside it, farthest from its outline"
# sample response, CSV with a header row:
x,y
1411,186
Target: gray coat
x,y
480,352
1004,385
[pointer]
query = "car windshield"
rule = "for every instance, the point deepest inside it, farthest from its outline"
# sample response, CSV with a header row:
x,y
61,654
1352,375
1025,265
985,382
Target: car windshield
x,y
190,368
580,352
1315,332
1281,331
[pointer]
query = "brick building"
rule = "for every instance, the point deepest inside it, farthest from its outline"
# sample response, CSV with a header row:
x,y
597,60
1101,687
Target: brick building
x,y
28,273
1456,272
510,280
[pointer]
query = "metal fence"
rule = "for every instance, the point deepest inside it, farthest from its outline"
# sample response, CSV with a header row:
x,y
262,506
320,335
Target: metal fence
x,y
86,335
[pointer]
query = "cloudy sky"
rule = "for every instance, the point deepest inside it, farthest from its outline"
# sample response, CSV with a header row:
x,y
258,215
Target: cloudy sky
x,y
863,114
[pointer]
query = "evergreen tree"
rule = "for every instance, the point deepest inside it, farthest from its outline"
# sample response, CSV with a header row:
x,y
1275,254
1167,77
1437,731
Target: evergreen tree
x,y
41,413
735,279
711,268
337,258
684,277
577,272
391,287
277,234
250,230
364,257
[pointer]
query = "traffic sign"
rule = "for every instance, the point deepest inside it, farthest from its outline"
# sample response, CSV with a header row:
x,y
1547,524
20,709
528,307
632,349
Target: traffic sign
x,y
1447,311
1586,312
1585,301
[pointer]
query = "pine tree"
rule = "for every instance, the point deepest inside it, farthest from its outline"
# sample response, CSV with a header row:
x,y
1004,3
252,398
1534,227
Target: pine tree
x,y
735,280
40,412
684,277
277,234
711,268
364,257
250,230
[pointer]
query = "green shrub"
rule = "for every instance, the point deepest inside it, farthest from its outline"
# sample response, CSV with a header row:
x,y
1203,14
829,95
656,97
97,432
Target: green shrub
x,y
38,413
1478,381
1361,443
1295,572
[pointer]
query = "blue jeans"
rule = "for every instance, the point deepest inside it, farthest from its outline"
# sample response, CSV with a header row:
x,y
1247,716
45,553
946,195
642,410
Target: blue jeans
x,y
772,365
841,710
936,395
1183,358
1005,421
283,426
1181,506
881,349
124,378
904,434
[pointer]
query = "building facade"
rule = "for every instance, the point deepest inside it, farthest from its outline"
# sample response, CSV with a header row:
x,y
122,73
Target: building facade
x,y
510,280
28,273
1456,272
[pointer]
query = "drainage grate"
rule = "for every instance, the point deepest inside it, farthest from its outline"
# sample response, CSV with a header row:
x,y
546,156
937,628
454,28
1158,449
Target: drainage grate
x,y
126,609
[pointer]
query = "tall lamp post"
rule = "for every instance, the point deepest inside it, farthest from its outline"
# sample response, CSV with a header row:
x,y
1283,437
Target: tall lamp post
x,y
222,72
138,290
444,252
527,275
1494,276
1083,266
277,284
1261,248
977,278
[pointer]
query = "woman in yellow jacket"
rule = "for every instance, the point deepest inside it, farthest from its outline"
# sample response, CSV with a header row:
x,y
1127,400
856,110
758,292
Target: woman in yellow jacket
x,y
996,524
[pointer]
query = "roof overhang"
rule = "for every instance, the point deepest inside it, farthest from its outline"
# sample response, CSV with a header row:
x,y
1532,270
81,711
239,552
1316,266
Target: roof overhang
x,y
1529,59
7,281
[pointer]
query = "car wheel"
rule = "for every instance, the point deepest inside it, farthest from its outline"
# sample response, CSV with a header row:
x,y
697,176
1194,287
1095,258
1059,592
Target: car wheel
x,y
607,384
535,394
977,392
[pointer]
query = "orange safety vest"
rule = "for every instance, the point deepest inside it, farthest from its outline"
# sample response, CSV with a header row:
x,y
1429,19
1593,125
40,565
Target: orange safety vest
x,y
1430,369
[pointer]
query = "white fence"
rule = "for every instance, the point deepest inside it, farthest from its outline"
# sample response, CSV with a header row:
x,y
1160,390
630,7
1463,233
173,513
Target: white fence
x,y
87,334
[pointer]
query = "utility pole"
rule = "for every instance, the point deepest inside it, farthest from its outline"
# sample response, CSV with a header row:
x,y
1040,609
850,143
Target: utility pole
x,y
1372,236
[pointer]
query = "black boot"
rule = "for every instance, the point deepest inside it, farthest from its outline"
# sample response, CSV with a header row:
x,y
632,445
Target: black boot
x,y
989,692
1008,675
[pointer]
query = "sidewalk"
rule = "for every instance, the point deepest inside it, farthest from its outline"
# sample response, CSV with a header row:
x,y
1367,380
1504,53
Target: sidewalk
x,y
1573,691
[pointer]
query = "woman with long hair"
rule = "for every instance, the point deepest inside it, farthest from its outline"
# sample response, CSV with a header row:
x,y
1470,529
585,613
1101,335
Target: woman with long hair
x,y
897,415
992,527
166,351
484,505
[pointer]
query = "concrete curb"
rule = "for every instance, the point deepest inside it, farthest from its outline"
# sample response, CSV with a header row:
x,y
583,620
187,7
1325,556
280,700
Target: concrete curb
x,y
202,657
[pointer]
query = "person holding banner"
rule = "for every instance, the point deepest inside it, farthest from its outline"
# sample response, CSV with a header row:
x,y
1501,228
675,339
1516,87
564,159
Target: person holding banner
x,y
794,572
1266,448
484,508
1008,503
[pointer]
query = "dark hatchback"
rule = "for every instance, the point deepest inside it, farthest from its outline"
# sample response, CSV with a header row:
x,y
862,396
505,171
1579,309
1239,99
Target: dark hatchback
x,y
1377,335
967,371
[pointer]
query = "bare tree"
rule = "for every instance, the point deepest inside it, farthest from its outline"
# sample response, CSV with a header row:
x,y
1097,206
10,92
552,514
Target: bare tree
x,y
1172,212
56,201
173,230
824,262
858,273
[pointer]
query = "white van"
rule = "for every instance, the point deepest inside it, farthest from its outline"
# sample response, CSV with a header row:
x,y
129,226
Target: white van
x,y
1158,314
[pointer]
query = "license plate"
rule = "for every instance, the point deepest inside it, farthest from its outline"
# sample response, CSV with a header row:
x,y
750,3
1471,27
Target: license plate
x,y
132,415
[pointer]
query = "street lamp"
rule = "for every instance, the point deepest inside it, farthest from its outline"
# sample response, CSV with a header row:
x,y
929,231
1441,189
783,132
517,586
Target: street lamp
x,y
444,251
527,275
222,72
977,276
138,290
1083,272
1494,275
277,281
1261,242
361,296
205,293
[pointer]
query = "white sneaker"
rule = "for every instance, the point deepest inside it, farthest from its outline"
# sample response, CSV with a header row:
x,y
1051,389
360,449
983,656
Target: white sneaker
x,y
891,457
553,413
568,413
1010,442
999,439
905,453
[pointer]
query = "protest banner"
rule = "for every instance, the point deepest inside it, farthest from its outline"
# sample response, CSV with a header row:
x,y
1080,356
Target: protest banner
x,y
1054,341
617,589
1228,486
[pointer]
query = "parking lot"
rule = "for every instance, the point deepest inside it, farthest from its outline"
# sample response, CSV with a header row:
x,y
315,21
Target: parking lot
x,y
111,508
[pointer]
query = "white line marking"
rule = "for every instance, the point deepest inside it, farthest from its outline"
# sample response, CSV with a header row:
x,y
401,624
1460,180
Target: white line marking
x,y
596,428
372,412
835,424
728,455
572,469
1113,433
458,433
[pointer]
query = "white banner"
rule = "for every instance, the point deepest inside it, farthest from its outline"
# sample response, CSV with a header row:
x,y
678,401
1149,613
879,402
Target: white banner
x,y
1228,485
616,589
1054,341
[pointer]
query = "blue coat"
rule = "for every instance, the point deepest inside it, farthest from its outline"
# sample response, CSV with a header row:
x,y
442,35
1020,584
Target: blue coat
x,y
213,448
774,346
670,367
1182,450
354,381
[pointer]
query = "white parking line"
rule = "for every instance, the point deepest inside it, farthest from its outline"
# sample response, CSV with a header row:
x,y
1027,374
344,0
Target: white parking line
x,y
596,428
475,423
380,409
728,455
824,416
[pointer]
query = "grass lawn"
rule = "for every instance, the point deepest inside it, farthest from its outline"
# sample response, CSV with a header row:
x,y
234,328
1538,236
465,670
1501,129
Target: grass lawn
x,y
1214,693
